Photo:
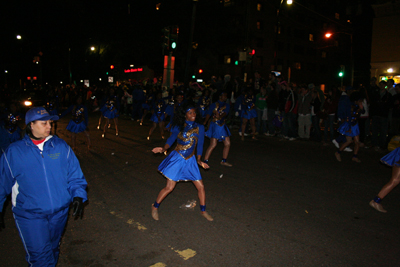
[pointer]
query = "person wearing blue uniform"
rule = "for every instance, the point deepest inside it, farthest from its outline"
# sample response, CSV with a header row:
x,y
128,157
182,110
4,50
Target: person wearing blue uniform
x,y
204,103
79,121
9,131
146,106
158,116
110,111
249,113
44,177
349,128
391,159
218,131
170,110
182,163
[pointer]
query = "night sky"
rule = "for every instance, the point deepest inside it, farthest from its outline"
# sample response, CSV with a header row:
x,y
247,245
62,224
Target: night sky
x,y
128,31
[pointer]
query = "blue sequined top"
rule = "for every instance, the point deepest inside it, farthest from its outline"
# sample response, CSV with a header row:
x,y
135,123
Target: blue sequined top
x,y
219,107
191,137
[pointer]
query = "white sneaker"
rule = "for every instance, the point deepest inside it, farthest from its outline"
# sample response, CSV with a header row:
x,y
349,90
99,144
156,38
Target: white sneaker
x,y
335,143
348,149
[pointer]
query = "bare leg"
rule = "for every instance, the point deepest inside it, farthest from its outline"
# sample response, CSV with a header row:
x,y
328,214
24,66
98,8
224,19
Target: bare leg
x,y
356,144
200,191
244,127
105,127
356,148
163,194
202,198
394,181
98,126
342,147
227,145
213,144
152,129
116,125
349,140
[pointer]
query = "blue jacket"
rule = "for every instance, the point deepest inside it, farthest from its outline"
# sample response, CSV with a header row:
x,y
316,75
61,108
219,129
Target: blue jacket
x,y
41,182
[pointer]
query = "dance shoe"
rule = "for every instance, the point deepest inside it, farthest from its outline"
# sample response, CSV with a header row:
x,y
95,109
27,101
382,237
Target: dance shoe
x,y
207,216
377,206
154,212
226,164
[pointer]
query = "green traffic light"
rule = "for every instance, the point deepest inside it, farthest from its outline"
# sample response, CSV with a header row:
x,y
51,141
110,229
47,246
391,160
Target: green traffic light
x,y
173,45
193,77
341,74
236,62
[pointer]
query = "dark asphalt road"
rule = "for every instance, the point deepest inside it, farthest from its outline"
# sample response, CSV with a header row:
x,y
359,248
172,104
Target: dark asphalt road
x,y
282,204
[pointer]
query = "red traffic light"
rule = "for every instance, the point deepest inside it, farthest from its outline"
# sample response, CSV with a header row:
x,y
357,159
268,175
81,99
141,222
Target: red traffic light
x,y
328,35
112,67
200,71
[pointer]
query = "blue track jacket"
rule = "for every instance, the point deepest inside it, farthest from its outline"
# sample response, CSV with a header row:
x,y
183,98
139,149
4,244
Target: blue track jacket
x,y
41,182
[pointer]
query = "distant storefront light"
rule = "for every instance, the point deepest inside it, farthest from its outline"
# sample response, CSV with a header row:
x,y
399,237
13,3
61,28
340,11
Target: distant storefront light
x,y
390,70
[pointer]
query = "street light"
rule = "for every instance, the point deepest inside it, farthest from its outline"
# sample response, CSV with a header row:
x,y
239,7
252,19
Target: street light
x,y
19,37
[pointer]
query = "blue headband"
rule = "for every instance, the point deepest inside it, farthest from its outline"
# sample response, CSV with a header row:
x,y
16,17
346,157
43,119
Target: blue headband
x,y
189,109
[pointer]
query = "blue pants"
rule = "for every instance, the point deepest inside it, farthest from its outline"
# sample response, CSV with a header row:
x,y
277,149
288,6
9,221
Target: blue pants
x,y
41,234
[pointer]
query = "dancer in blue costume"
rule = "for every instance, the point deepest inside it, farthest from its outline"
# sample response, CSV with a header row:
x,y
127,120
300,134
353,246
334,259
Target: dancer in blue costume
x,y
158,116
349,128
79,121
9,131
392,159
182,163
111,112
146,106
204,103
249,113
218,131
170,110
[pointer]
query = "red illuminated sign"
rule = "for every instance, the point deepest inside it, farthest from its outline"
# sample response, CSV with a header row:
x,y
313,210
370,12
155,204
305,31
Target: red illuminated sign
x,y
133,70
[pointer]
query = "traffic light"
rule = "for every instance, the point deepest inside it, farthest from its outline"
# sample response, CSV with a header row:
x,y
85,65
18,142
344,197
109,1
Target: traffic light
x,y
200,71
112,67
250,55
341,74
165,37
174,36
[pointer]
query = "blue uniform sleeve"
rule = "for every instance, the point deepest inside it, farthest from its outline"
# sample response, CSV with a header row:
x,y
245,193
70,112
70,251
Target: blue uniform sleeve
x,y
76,181
201,141
6,179
174,135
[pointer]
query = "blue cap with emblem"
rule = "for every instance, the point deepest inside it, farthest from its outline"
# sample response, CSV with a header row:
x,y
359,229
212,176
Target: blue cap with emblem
x,y
38,114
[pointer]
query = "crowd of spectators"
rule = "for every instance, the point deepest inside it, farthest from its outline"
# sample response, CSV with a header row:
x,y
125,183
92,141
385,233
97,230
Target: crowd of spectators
x,y
284,109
